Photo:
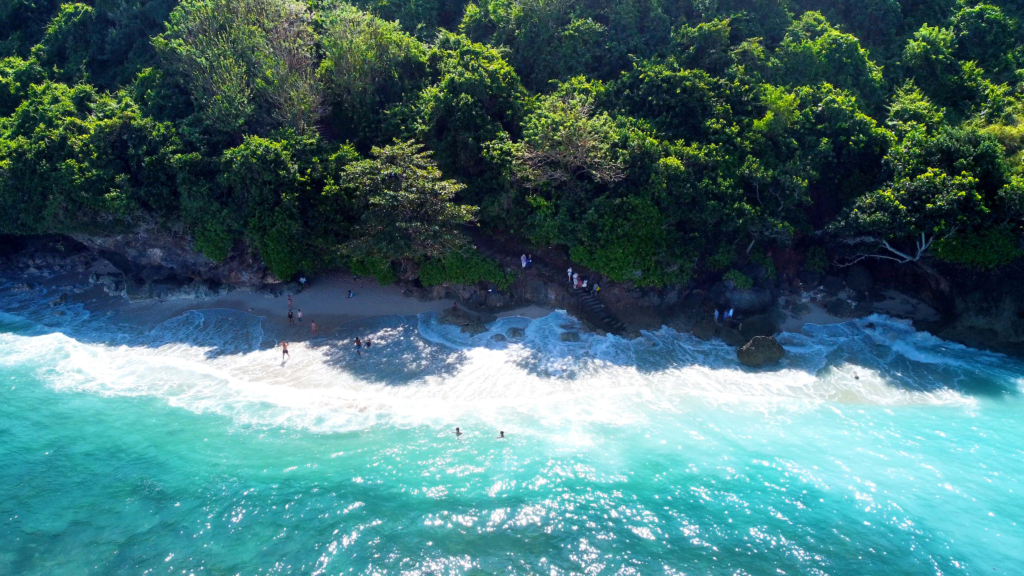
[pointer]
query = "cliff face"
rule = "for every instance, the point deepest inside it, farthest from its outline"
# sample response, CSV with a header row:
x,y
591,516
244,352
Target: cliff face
x,y
156,258
986,310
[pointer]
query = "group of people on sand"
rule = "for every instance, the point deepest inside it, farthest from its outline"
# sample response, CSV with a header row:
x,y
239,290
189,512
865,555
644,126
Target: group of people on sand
x,y
527,260
581,283
297,315
501,434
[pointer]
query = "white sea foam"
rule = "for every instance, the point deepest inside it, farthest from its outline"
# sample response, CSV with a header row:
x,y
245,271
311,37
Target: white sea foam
x,y
420,371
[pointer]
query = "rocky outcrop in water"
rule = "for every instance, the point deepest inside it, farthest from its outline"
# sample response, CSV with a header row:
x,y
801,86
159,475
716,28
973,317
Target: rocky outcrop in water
x,y
761,351
468,322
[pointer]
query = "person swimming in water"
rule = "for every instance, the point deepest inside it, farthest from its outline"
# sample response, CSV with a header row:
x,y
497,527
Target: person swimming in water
x,y
501,435
284,350
856,376
457,432
359,345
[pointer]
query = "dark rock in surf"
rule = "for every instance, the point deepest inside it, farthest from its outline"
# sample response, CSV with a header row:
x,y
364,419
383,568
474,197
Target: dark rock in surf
x,y
730,336
705,330
761,351
474,328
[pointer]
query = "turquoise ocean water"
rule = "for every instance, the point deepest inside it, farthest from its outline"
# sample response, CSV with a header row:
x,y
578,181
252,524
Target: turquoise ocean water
x,y
188,448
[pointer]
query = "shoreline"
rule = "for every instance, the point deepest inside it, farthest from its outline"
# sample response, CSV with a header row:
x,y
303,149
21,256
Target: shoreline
x,y
326,301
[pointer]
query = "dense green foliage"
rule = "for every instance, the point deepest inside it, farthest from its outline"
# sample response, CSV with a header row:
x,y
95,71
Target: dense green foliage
x,y
464,267
738,279
653,140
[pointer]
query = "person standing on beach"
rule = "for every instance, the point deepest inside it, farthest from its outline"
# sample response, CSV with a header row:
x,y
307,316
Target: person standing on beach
x,y
312,326
289,301
523,260
303,282
284,350
569,272
299,315
350,294
291,318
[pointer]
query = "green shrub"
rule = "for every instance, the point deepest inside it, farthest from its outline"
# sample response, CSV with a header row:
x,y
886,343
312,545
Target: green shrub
x,y
724,257
983,250
816,260
465,267
214,240
379,268
626,239
739,279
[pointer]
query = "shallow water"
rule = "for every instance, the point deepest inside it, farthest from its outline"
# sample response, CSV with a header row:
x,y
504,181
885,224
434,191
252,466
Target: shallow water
x,y
190,448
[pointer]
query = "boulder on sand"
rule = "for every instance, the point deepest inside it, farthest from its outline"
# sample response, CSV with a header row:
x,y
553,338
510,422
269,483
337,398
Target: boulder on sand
x,y
761,351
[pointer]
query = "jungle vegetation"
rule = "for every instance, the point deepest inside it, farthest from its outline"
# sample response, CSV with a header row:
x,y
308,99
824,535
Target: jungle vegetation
x,y
652,139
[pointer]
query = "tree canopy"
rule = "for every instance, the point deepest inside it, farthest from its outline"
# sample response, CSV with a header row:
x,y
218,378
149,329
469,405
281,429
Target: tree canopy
x,y
651,140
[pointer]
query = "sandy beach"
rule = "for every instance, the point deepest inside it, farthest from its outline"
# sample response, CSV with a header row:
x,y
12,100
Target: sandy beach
x,y
325,301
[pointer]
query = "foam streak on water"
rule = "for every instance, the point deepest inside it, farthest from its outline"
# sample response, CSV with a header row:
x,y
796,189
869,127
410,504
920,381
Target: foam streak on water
x,y
190,447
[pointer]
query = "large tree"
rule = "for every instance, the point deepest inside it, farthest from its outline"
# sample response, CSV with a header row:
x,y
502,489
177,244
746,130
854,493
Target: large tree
x,y
248,64
406,204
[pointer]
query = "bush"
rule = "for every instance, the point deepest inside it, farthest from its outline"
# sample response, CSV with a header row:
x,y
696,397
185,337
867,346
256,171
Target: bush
x,y
816,260
739,279
983,250
214,240
724,257
379,268
466,267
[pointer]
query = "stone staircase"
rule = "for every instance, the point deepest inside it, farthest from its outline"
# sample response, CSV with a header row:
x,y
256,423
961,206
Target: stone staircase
x,y
597,313
587,306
